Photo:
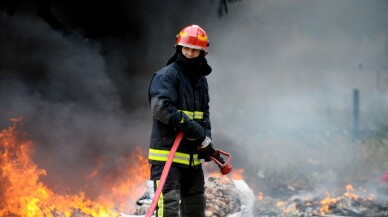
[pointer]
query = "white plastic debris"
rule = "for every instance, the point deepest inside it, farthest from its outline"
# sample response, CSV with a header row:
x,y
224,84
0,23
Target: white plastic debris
x,y
247,199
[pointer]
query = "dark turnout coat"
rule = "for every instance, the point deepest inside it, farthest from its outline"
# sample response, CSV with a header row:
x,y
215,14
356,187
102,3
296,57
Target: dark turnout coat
x,y
179,99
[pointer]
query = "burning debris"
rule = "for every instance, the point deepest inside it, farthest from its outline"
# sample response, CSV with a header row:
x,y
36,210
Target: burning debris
x,y
222,197
23,194
349,204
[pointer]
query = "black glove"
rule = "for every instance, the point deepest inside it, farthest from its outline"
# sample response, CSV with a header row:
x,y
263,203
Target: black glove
x,y
209,151
193,131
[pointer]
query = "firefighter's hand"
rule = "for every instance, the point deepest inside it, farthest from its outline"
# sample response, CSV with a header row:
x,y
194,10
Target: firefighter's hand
x,y
193,131
206,150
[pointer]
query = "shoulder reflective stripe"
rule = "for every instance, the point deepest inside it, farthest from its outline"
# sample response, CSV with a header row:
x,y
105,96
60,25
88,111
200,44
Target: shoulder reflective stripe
x,y
193,115
182,158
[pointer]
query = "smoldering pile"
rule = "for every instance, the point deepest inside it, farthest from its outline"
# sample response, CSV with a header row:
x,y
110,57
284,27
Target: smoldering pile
x,y
222,197
349,204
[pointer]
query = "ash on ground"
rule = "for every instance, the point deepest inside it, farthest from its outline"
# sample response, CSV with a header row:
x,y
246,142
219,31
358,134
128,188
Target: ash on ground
x,y
349,203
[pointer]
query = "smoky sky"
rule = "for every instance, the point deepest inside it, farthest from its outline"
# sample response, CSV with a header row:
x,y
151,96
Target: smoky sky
x,y
78,74
281,87
284,82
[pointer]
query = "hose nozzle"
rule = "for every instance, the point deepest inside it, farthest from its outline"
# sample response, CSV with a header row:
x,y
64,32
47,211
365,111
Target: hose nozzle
x,y
225,167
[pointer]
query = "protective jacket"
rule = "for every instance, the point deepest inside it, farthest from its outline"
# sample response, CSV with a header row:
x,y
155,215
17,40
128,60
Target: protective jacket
x,y
179,100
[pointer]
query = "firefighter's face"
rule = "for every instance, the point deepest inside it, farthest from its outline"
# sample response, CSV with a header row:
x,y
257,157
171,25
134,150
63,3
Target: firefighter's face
x,y
190,53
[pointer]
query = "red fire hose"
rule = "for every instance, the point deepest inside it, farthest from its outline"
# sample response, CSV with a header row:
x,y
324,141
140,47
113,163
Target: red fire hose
x,y
225,168
164,174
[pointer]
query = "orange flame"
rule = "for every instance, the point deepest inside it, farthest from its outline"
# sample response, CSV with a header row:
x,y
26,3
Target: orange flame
x,y
350,193
238,174
260,196
210,170
327,203
23,194
136,171
235,174
281,203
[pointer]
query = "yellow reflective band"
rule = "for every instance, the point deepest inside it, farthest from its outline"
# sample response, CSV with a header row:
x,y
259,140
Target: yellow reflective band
x,y
182,34
198,115
181,158
188,113
193,115
160,201
202,38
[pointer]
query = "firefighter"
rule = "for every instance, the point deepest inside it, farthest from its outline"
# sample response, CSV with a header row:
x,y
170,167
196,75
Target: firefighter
x,y
179,99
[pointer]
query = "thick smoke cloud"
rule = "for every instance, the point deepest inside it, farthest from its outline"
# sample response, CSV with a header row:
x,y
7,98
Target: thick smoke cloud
x,y
281,87
78,74
70,107
285,75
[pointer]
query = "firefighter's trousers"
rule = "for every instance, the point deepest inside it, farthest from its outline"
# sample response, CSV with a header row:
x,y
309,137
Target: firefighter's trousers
x,y
183,192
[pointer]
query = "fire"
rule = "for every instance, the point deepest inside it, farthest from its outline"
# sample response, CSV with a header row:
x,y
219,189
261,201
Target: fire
x,y
23,194
235,174
325,203
325,206
238,174
260,196
288,209
135,173
338,201
350,193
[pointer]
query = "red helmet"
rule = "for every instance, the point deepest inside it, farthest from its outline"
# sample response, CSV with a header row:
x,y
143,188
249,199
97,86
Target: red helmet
x,y
194,37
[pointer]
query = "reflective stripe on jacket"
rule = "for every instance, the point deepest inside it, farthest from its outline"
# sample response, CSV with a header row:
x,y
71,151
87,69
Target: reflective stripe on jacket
x,y
171,93
181,158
